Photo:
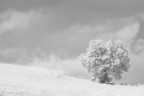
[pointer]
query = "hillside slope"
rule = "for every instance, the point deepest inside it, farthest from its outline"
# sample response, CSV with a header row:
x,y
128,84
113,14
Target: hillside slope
x,y
18,80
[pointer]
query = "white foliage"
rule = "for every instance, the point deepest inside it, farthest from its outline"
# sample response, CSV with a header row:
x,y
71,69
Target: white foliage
x,y
106,57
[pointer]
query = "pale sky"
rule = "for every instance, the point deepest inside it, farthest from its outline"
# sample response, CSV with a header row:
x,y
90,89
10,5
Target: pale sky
x,y
64,28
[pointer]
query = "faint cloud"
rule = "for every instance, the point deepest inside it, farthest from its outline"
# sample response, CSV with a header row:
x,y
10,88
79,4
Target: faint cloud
x,y
139,47
128,32
116,30
14,55
14,20
71,67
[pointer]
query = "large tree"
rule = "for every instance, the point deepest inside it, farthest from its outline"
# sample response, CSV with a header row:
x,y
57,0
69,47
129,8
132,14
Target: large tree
x,y
106,60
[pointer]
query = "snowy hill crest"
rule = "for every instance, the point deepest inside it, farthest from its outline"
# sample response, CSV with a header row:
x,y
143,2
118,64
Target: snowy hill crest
x,y
18,80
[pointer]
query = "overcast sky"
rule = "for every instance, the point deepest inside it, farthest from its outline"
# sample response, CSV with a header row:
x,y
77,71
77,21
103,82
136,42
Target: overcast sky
x,y
64,28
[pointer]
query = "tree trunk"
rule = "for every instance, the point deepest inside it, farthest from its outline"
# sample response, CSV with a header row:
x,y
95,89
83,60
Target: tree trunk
x,y
104,78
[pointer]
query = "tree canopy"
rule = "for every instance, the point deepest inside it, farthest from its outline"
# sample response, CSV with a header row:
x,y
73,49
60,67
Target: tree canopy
x,y
106,60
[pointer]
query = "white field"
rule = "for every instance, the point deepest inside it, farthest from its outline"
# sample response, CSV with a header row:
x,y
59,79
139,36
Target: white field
x,y
16,80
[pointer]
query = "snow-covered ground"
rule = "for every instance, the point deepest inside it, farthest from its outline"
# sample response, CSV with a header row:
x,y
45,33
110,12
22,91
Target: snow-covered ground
x,y
16,80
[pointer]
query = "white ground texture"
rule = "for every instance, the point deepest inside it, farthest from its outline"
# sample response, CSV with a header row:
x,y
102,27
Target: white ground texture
x,y
16,80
